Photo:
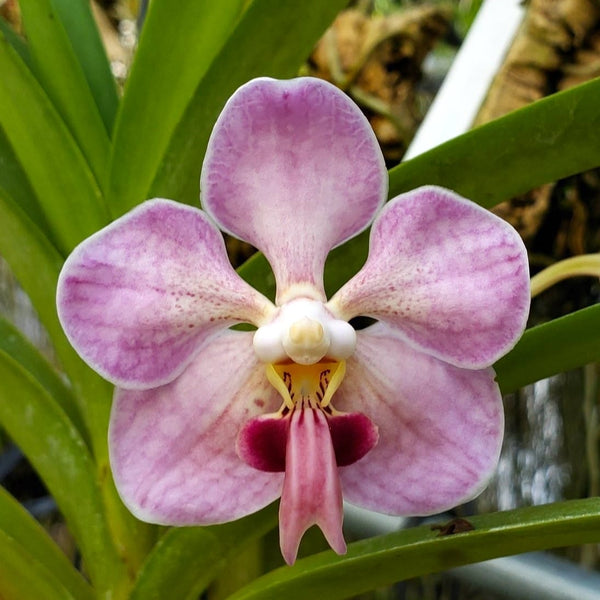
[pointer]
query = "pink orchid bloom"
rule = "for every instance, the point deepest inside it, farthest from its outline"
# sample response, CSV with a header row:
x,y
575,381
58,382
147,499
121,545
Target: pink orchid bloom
x,y
209,423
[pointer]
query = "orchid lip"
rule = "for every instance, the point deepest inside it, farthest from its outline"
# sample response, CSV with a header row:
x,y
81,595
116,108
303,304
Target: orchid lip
x,y
312,492
307,439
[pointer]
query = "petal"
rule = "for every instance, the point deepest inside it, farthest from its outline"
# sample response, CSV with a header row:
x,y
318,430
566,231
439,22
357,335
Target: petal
x,y
312,494
138,298
440,427
172,448
450,275
294,168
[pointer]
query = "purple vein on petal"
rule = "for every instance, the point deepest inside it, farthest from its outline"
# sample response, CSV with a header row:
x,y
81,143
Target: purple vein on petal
x,y
452,278
139,298
440,427
172,448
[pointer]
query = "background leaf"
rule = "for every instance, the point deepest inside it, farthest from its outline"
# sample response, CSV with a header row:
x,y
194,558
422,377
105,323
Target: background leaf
x,y
15,184
16,41
55,167
36,264
550,139
14,343
39,427
18,524
78,21
22,577
175,50
560,345
381,561
187,559
59,71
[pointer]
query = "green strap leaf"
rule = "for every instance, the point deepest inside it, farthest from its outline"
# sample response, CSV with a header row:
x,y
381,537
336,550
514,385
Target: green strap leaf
x,y
39,427
272,38
22,577
60,73
14,343
550,139
187,559
14,182
384,560
57,171
36,264
560,345
78,21
16,41
18,524
176,47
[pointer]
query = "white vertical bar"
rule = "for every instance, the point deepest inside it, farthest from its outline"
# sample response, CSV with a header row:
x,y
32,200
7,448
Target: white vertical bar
x,y
470,76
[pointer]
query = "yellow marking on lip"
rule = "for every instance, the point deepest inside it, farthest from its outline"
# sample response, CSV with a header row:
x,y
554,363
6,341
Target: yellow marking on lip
x,y
313,384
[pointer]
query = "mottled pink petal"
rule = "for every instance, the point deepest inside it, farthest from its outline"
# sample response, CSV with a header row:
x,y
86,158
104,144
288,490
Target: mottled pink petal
x,y
172,448
440,427
312,494
138,298
450,275
294,168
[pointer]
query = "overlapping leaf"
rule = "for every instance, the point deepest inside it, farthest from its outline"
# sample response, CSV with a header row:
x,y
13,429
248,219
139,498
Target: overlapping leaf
x,y
22,577
176,48
412,552
83,34
41,429
58,173
59,71
31,545
186,560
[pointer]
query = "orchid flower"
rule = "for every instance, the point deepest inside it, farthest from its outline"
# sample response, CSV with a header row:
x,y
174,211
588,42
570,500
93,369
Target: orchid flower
x,y
210,423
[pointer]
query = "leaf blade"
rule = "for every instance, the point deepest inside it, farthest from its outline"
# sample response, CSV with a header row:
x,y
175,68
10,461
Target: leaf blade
x,y
18,524
548,140
60,73
412,552
14,343
24,578
68,194
36,264
554,347
15,183
186,560
80,26
57,452
175,49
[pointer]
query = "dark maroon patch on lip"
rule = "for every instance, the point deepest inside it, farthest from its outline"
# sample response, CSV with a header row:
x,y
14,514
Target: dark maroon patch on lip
x,y
352,435
262,441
